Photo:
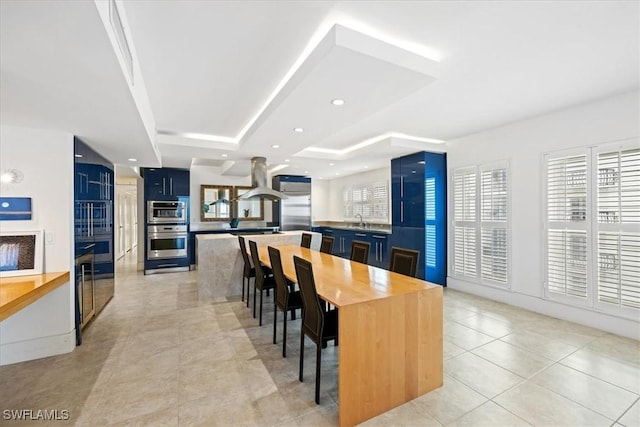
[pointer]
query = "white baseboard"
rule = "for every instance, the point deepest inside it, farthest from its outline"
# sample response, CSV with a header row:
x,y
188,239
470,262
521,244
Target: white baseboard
x,y
37,348
603,321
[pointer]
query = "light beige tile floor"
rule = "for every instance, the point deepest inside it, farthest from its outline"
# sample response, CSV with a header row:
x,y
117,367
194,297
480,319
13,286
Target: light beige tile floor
x,y
156,356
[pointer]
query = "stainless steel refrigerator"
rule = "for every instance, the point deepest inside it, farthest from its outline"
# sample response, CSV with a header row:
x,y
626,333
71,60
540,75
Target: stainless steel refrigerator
x,y
294,212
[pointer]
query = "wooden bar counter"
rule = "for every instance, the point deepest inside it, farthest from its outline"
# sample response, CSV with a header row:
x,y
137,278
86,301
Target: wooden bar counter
x,y
390,329
20,291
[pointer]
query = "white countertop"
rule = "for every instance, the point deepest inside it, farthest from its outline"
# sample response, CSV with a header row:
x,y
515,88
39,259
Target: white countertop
x,y
231,236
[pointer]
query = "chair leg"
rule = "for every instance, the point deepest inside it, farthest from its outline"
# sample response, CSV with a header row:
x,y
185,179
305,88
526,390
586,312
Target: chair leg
x,y
243,287
255,292
301,355
260,322
284,335
318,363
248,290
275,322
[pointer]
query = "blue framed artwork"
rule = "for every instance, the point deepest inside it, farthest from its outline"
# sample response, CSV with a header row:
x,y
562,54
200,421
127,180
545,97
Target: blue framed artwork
x,y
15,208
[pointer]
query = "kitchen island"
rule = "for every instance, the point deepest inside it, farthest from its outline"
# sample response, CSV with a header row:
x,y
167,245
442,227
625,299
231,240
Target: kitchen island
x,y
219,262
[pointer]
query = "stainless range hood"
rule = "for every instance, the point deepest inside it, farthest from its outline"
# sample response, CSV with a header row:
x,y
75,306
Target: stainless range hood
x,y
259,182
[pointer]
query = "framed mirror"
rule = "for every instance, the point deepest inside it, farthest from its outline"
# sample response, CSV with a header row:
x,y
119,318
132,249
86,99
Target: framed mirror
x,y
215,203
248,210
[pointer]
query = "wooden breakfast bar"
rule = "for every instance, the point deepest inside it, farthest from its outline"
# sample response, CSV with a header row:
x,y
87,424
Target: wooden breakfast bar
x,y
390,329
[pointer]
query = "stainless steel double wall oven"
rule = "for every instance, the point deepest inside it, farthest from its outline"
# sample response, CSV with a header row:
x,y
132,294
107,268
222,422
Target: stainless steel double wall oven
x,y
167,234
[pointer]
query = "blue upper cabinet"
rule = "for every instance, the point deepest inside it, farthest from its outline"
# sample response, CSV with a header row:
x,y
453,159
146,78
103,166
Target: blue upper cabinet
x,y
419,210
165,183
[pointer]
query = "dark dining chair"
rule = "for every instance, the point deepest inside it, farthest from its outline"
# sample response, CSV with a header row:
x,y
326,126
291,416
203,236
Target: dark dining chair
x,y
319,325
263,281
306,240
360,251
249,272
285,299
404,261
326,246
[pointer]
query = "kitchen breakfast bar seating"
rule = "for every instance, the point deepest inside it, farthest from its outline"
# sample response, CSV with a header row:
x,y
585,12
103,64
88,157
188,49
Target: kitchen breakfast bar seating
x,y
248,271
390,329
285,298
317,323
305,241
263,280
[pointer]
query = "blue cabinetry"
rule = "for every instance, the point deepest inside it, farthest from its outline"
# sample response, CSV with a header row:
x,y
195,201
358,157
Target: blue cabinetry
x,y
379,249
93,226
419,212
165,183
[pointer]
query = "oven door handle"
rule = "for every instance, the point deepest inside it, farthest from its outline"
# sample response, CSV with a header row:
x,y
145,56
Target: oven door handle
x,y
167,235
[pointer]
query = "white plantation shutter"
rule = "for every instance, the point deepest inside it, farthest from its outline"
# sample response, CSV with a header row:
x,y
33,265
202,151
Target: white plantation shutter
x,y
465,222
464,245
430,215
380,193
567,262
618,224
566,216
371,201
494,224
464,188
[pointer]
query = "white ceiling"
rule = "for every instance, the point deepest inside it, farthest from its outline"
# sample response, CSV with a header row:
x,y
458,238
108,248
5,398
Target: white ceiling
x,y
244,74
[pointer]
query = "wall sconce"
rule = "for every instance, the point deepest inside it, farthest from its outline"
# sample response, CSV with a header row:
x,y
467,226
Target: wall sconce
x,y
11,176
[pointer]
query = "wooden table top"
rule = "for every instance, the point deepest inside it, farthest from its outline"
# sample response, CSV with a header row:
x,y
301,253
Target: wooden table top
x,y
20,291
343,282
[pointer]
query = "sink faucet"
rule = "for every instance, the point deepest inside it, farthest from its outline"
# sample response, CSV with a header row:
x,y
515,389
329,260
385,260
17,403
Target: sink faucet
x,y
361,223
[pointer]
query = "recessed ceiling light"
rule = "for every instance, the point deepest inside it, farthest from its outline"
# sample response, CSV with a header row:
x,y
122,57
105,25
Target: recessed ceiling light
x,y
225,155
331,164
78,155
299,130
337,173
287,160
275,146
337,101
319,177
306,171
132,160
366,167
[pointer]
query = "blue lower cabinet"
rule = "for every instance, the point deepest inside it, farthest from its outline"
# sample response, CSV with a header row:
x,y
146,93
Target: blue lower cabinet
x,y
380,250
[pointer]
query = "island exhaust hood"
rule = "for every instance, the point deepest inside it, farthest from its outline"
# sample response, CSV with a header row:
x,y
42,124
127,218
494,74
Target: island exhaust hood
x,y
259,182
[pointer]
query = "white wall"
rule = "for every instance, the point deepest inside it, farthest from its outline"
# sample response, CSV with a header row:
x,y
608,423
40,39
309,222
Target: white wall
x,y
523,145
330,193
320,196
45,158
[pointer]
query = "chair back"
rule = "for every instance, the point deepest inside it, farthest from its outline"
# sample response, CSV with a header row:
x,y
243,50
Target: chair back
x,y
306,240
245,256
312,314
404,261
282,290
327,244
360,251
253,248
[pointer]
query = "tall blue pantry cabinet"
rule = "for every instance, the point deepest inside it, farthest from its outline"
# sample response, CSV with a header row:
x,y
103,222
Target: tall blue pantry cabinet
x,y
419,211
94,182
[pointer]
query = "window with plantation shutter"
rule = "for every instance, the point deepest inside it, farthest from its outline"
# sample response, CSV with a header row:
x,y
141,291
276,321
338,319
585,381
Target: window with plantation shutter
x,y
618,223
494,218
371,201
465,222
593,227
566,206
481,223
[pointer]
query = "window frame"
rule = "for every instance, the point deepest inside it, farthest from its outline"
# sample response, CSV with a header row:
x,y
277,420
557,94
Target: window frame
x,y
592,227
478,224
